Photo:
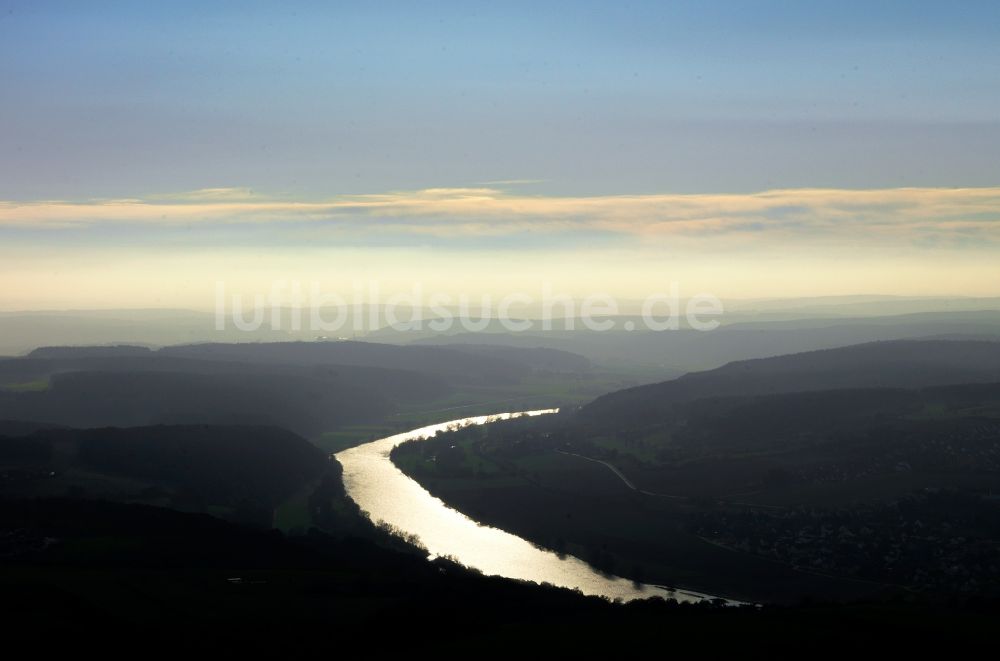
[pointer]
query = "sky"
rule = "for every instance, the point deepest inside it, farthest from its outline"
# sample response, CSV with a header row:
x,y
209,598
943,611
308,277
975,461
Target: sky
x,y
148,151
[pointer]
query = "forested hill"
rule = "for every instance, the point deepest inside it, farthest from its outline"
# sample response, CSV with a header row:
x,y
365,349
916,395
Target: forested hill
x,y
307,387
183,466
469,364
896,364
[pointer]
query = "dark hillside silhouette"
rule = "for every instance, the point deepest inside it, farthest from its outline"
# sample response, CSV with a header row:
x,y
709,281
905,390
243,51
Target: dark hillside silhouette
x,y
897,364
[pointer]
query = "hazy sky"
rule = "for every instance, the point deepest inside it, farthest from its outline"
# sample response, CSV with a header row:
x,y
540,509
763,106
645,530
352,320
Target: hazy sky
x,y
752,148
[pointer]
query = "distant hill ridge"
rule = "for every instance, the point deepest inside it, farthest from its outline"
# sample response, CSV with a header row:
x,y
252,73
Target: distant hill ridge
x,y
454,361
100,351
890,364
307,387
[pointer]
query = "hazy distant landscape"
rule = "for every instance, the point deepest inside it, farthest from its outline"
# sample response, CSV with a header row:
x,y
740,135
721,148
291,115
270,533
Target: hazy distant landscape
x,y
468,330
856,473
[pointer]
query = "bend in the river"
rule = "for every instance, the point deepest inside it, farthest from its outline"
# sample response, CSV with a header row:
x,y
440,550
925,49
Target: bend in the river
x,y
387,495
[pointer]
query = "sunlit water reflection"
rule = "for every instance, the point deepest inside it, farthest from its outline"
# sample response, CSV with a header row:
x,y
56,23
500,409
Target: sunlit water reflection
x,y
387,495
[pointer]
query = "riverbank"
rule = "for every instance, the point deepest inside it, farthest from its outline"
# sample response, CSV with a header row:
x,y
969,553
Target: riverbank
x,y
388,495
579,507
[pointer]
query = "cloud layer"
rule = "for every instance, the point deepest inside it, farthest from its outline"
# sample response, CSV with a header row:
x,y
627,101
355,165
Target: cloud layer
x,y
938,216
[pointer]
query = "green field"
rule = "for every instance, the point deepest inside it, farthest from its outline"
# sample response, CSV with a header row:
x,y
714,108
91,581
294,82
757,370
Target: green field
x,y
293,514
38,385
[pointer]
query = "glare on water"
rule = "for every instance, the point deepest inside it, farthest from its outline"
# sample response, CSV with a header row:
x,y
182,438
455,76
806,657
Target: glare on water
x,y
387,495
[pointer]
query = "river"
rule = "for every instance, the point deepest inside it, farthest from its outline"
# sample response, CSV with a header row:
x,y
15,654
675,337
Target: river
x,y
387,495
